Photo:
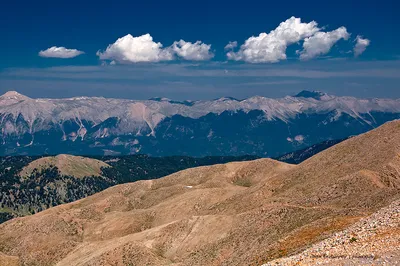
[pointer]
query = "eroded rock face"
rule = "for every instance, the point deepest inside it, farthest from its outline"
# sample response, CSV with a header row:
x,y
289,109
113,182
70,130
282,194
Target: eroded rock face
x,y
229,214
226,126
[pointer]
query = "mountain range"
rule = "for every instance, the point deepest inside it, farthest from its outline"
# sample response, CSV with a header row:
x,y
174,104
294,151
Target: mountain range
x,y
239,213
226,126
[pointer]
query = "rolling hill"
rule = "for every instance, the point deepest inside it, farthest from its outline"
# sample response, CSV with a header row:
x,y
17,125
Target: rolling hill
x,y
68,165
32,184
229,214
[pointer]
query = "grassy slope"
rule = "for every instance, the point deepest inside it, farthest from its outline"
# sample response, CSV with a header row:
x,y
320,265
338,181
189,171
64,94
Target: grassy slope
x,y
69,165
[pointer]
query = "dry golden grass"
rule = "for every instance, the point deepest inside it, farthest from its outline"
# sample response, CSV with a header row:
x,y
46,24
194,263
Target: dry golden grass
x,y
70,165
203,216
9,260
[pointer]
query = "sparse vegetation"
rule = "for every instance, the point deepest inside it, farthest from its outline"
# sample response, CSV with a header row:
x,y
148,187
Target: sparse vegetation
x,y
243,182
198,217
353,239
282,253
32,184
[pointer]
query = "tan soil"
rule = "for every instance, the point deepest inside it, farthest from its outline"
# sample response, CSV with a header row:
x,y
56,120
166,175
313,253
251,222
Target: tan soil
x,y
242,213
70,165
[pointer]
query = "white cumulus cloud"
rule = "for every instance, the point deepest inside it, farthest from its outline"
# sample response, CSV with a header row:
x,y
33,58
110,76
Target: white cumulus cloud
x,y
361,45
129,49
197,51
321,43
231,45
271,47
60,52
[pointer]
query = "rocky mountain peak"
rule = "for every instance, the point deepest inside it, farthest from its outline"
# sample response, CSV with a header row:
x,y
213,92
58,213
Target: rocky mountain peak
x,y
11,97
160,99
317,95
226,98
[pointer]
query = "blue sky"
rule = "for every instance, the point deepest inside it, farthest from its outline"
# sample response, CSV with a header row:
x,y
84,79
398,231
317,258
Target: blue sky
x,y
28,27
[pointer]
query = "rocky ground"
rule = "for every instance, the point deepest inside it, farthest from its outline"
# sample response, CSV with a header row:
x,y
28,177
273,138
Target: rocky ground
x,y
374,240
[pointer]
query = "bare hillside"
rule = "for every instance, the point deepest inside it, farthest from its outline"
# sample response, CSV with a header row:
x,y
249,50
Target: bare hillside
x,y
69,165
242,213
371,241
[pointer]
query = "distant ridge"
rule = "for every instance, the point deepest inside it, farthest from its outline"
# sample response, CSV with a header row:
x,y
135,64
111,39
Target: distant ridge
x,y
301,155
225,126
311,94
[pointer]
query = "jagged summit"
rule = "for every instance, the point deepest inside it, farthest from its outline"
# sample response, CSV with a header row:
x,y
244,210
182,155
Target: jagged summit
x,y
226,98
317,95
168,100
13,95
160,99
